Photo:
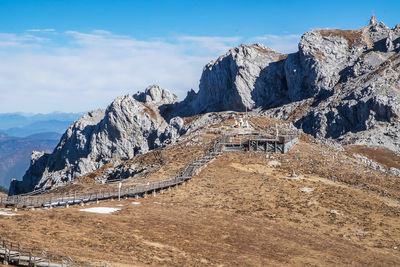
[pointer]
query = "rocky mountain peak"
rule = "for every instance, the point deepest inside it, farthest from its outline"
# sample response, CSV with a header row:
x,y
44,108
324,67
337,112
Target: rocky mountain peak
x,y
125,129
156,95
340,84
237,80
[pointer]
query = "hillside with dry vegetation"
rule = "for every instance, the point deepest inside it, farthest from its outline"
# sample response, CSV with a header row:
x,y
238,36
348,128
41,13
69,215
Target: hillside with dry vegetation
x,y
315,205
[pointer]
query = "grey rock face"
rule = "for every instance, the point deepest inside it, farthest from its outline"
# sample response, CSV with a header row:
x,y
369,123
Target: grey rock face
x,y
156,95
238,80
346,81
363,106
341,85
125,129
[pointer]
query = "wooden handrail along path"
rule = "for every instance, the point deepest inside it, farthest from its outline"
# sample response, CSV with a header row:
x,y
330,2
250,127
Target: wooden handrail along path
x,y
14,253
40,201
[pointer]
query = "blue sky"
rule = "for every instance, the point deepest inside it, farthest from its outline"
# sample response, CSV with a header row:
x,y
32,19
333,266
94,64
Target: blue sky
x,y
79,55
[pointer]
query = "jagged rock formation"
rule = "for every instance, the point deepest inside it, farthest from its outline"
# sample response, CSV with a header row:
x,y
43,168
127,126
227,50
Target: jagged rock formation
x,y
360,103
341,84
156,95
238,80
125,129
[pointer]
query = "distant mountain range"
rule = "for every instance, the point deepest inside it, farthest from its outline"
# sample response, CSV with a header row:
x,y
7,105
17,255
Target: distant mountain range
x,y
15,154
342,86
23,125
20,134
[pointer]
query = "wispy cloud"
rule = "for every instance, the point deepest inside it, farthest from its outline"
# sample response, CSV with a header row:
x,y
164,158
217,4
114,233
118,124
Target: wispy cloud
x,y
19,40
287,43
41,30
88,70
210,43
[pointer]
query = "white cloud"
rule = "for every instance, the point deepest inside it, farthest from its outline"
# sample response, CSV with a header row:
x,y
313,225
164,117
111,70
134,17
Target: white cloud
x,y
210,43
287,43
19,41
92,69
41,30
88,70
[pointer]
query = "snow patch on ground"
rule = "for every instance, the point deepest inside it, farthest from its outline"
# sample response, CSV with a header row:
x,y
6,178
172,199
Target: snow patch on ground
x,y
274,163
306,189
7,213
135,202
101,210
335,212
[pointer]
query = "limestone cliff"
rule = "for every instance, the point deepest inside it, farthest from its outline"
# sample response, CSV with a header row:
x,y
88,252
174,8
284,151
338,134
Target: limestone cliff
x,y
341,84
238,80
125,129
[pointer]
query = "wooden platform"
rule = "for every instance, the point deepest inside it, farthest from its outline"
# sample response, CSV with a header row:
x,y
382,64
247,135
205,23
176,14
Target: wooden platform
x,y
13,253
260,142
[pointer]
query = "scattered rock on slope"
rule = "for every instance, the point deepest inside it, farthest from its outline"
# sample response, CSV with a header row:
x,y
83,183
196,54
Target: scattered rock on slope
x,y
125,129
341,84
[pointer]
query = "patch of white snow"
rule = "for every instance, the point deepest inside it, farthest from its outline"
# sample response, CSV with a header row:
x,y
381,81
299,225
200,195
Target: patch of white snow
x,y
101,210
306,189
7,213
336,212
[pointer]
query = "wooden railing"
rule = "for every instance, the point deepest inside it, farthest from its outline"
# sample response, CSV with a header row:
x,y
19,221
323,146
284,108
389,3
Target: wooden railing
x,y
26,201
14,253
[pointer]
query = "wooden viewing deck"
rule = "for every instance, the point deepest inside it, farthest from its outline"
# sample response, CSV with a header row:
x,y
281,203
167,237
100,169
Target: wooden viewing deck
x,y
13,253
249,142
259,142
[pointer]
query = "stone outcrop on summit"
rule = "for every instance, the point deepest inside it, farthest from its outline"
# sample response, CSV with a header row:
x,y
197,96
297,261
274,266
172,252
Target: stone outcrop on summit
x,y
355,87
341,84
125,129
238,80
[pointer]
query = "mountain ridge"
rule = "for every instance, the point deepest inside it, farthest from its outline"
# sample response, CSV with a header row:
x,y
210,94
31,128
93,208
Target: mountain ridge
x,y
330,85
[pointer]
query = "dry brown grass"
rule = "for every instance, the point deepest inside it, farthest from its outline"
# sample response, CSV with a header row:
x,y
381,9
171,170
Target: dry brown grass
x,y
149,110
300,111
189,120
262,50
265,122
320,55
282,57
382,155
237,212
352,36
